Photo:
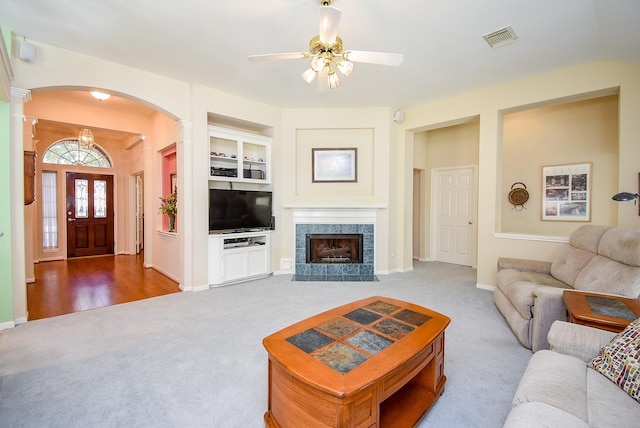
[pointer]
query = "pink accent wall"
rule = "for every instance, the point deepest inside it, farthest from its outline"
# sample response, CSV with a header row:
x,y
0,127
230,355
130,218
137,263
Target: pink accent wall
x,y
168,167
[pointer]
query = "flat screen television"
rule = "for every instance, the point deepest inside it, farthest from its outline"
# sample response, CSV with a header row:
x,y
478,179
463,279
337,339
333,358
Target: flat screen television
x,y
239,209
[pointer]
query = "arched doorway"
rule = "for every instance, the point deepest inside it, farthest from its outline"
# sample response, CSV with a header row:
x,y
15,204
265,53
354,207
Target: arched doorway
x,y
120,127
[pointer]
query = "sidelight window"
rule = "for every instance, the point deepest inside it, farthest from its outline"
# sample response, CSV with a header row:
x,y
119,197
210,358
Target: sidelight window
x,y
49,210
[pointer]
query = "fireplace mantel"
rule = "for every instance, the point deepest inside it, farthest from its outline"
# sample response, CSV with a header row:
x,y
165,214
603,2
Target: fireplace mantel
x,y
346,215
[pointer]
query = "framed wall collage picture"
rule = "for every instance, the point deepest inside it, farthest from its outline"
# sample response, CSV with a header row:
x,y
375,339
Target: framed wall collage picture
x,y
566,192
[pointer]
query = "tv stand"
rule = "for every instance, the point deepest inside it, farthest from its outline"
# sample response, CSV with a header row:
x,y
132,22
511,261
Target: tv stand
x,y
239,256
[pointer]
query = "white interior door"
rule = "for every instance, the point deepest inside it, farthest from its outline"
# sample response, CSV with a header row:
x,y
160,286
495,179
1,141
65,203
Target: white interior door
x,y
139,215
453,208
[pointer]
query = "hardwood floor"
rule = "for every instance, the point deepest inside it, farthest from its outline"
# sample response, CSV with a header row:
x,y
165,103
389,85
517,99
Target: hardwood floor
x,y
78,284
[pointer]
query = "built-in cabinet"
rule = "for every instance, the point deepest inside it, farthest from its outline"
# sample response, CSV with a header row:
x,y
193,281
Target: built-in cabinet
x,y
235,257
239,156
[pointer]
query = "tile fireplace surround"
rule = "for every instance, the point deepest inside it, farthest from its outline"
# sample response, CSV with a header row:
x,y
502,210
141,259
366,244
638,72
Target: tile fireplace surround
x,y
334,221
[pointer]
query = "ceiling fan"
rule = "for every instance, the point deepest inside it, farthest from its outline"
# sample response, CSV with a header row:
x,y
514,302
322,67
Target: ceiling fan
x,y
325,51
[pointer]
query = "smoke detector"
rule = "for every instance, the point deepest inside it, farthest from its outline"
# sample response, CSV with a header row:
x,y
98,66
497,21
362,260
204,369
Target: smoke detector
x,y
500,37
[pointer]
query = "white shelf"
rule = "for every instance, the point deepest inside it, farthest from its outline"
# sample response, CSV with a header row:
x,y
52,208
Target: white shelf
x,y
239,156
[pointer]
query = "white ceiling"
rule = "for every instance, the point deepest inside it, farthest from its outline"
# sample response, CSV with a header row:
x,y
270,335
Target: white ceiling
x,y
445,54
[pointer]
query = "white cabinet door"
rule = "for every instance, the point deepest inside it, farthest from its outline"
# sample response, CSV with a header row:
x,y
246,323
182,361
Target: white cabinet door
x,y
235,265
257,261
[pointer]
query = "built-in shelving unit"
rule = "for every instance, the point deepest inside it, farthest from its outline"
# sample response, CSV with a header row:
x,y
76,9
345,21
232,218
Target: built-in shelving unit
x,y
239,156
239,256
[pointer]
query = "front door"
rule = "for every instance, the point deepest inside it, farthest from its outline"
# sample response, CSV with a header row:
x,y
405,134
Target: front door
x,y
89,214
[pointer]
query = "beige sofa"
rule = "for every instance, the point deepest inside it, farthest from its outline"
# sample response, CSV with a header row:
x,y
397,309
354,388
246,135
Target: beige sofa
x,y
558,389
598,259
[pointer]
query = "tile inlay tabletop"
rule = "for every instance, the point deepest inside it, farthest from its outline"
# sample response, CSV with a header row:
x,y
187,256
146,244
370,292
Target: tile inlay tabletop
x,y
345,352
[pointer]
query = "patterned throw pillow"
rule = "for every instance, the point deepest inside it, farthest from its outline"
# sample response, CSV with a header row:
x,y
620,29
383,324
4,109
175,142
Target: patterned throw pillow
x,y
619,361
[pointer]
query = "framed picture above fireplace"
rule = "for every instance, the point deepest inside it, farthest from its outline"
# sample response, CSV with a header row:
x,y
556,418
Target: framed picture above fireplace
x,y
334,165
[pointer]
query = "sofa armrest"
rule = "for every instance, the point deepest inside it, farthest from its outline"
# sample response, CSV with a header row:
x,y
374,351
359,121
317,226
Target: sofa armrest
x,y
578,340
524,265
548,306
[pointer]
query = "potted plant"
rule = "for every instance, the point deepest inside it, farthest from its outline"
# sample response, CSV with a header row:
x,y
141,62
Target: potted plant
x,y
169,206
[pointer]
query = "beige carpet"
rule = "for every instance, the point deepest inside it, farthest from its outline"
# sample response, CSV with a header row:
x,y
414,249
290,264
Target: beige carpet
x,y
196,359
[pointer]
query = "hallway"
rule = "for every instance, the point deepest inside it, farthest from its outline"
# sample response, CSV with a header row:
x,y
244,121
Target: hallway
x,y
79,284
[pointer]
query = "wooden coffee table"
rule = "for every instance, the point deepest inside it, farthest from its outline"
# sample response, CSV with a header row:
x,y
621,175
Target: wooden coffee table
x,y
377,362
603,311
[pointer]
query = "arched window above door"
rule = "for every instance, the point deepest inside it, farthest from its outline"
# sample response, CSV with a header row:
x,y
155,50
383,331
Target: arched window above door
x,y
69,152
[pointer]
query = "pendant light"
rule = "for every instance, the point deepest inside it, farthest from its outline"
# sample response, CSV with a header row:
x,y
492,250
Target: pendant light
x,y
85,138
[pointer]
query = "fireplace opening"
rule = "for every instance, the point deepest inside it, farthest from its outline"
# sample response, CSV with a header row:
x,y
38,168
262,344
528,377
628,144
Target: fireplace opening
x,y
334,248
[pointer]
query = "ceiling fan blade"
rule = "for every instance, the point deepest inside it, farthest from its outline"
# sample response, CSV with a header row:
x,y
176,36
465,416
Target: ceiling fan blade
x,y
329,24
271,57
374,57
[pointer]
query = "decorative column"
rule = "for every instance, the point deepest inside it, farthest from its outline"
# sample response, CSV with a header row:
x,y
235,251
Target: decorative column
x,y
16,154
184,165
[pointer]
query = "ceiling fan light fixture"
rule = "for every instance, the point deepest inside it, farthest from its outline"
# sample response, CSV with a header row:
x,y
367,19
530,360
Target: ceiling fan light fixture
x,y
326,53
345,67
334,80
318,62
309,75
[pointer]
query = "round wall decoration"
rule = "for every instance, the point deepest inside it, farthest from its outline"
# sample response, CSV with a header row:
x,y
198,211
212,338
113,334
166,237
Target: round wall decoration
x,y
518,196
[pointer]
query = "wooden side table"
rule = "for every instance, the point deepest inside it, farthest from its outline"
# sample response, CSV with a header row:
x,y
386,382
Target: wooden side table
x,y
603,311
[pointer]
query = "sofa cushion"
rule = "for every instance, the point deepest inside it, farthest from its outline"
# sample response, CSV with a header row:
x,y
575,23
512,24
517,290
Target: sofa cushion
x,y
541,415
555,379
608,405
604,275
587,237
619,361
569,262
622,245
518,287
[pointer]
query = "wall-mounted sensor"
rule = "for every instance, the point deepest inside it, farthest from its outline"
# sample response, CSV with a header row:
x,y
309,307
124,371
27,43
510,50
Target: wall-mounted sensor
x,y
27,51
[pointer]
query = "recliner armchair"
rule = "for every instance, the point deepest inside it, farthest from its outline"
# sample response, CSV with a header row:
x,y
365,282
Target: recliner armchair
x,y
598,259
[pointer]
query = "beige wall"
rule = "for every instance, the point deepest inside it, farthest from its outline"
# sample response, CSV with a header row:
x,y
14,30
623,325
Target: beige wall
x,y
489,104
578,132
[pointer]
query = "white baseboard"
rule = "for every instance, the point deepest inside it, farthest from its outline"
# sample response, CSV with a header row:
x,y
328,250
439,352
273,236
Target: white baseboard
x,y
8,324
197,288
485,287
164,273
22,320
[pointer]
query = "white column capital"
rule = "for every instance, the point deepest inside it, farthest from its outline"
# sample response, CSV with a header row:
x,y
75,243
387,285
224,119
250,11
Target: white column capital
x,y
21,95
183,124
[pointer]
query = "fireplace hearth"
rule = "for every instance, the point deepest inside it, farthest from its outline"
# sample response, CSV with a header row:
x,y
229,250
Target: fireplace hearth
x,y
334,248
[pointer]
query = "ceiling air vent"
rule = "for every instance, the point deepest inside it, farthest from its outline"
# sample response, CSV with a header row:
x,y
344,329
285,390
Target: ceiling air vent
x,y
500,37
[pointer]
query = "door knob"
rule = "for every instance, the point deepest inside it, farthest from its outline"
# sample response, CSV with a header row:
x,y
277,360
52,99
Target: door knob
x,y
470,221
71,219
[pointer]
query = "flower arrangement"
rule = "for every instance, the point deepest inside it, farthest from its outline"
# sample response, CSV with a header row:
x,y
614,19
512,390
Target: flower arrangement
x,y
169,205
